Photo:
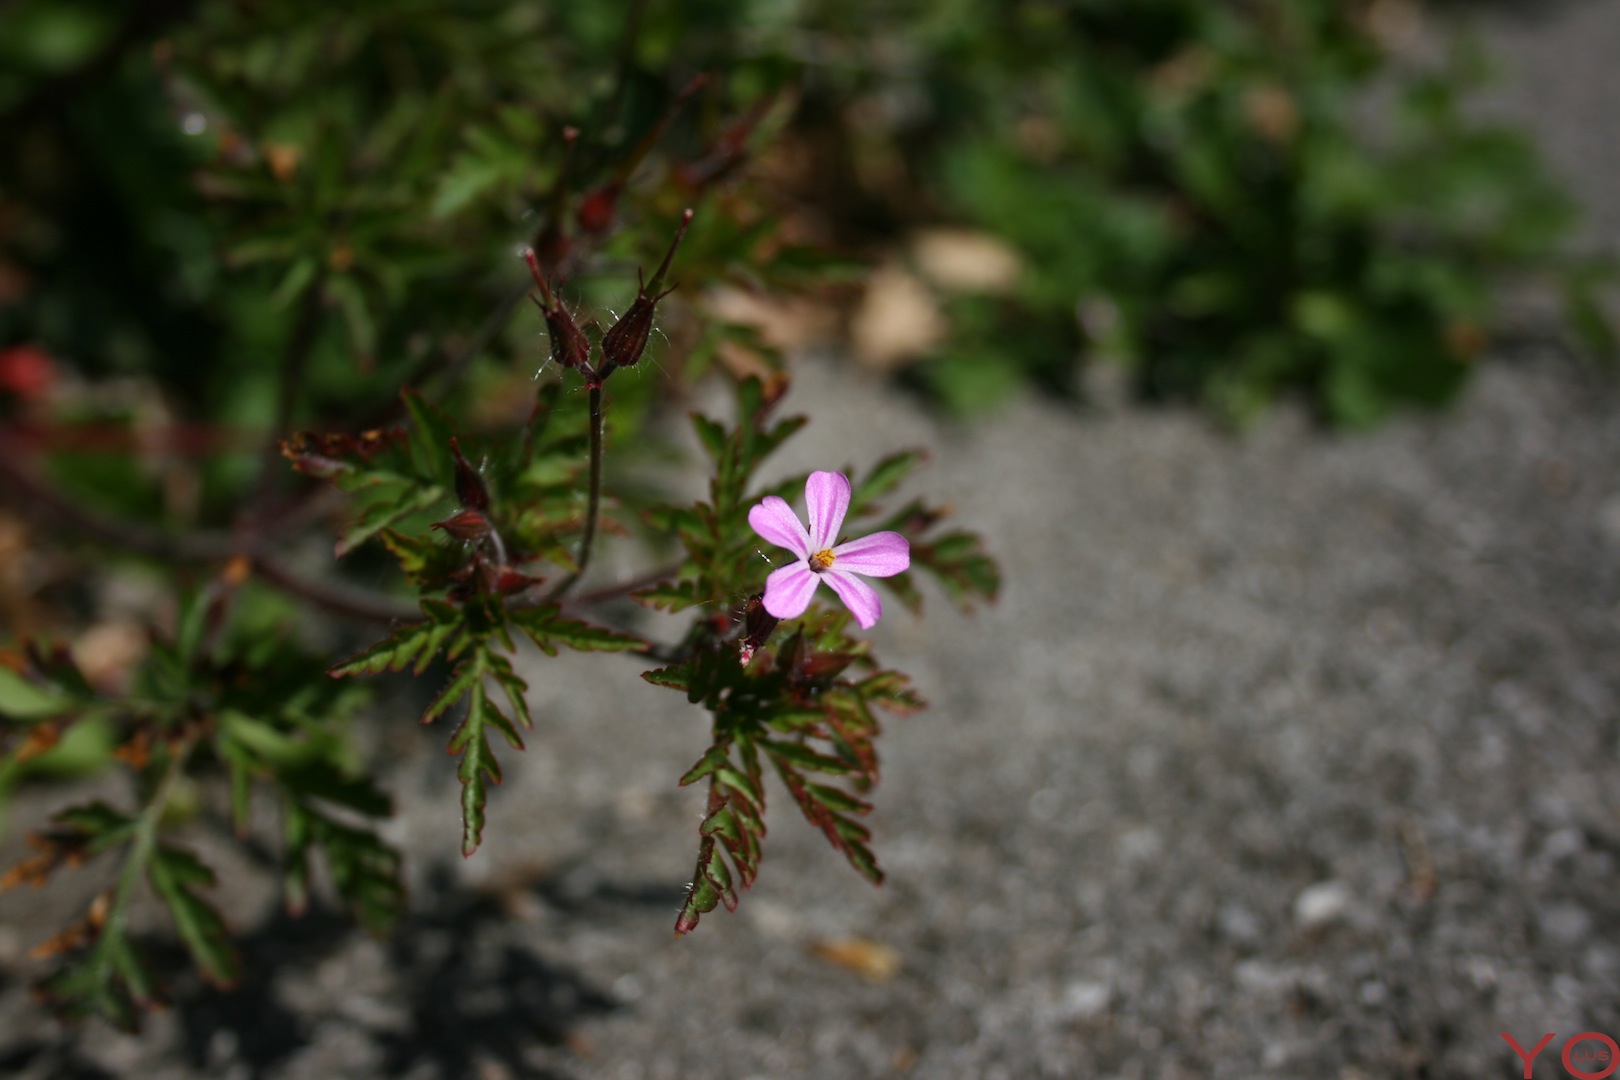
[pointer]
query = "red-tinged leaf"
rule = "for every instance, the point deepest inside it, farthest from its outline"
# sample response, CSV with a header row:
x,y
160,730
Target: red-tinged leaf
x,y
959,563
466,525
713,758
720,878
462,681
740,784
841,801
701,895
328,457
891,690
722,823
845,834
805,758
513,686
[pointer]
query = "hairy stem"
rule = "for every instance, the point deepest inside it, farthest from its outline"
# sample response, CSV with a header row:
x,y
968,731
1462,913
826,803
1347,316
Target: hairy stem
x,y
593,499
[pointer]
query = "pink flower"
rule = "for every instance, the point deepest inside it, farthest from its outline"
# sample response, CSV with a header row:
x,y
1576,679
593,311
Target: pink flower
x,y
788,590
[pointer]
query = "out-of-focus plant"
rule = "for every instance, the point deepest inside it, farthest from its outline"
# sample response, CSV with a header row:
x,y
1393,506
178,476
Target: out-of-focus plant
x,y
229,235
1232,201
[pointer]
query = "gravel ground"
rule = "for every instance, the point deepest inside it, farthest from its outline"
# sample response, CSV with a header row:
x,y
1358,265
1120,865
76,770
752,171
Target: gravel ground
x,y
1292,756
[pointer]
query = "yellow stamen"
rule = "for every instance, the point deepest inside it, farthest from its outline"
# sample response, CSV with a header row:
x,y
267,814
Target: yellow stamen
x,y
821,560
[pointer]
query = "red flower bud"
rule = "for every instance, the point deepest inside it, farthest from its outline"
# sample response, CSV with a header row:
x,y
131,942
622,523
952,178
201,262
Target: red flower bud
x,y
758,625
569,346
465,525
470,487
624,343
598,210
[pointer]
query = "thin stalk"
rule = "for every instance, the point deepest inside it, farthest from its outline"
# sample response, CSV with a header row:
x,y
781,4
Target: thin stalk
x,y
593,503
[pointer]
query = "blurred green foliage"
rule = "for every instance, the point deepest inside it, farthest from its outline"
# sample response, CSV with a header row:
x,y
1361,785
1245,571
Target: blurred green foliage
x,y
1233,201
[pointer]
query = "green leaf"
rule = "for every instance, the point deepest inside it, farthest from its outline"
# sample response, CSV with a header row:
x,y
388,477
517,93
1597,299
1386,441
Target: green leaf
x,y
797,754
413,646
892,691
100,826
478,767
960,564
547,629
365,871
174,874
713,758
22,700
712,434
393,500
430,440
883,478
110,981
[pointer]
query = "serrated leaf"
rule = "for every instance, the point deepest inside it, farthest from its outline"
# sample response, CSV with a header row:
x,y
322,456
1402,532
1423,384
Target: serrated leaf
x,y
412,646
102,827
365,871
712,434
423,559
805,758
109,981
892,691
174,874
830,816
431,433
547,629
701,896
713,758
478,766
884,477
959,563
399,500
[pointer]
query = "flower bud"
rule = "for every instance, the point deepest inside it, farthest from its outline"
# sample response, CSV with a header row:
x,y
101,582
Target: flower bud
x,y
470,488
598,210
626,340
758,625
465,525
569,346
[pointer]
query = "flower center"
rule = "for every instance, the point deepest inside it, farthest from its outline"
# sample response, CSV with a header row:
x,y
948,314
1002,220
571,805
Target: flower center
x,y
821,560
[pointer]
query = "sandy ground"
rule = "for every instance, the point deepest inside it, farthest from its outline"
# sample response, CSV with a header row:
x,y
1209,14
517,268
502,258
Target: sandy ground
x,y
1292,756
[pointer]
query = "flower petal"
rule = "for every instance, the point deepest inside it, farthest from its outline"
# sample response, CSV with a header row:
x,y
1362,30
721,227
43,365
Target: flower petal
x,y
775,520
861,599
788,590
882,554
826,496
